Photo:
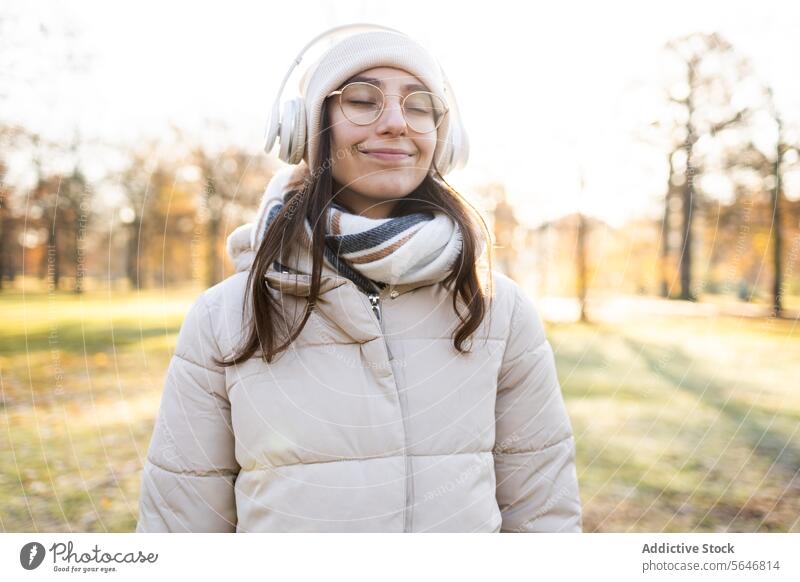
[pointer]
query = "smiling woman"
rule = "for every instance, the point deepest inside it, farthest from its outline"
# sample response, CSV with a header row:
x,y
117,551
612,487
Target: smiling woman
x,y
358,373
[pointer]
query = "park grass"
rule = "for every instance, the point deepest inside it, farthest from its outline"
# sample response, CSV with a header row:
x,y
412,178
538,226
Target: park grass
x,y
685,424
81,382
682,423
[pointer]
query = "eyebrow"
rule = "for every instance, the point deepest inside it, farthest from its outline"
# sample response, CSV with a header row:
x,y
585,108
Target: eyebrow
x,y
379,83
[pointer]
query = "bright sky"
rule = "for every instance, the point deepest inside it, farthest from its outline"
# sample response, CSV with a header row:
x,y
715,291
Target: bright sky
x,y
543,89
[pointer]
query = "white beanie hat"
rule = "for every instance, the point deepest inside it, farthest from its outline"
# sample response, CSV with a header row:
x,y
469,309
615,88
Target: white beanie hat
x,y
358,53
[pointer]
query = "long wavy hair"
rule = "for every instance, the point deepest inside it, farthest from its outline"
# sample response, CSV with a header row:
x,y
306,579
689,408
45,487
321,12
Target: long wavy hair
x,y
309,200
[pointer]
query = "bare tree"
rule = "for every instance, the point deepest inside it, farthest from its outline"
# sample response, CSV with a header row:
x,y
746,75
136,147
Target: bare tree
x,y
8,136
32,61
673,193
778,166
704,106
233,180
141,181
770,171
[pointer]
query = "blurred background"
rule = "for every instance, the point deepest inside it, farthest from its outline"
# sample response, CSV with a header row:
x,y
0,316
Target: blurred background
x,y
637,164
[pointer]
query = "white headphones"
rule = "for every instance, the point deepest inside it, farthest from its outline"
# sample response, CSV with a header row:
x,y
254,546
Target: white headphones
x,y
290,126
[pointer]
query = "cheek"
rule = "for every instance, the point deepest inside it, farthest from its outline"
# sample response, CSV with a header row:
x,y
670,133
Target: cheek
x,y
426,146
344,138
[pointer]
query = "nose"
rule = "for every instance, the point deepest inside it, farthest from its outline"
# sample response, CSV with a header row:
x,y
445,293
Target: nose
x,y
392,120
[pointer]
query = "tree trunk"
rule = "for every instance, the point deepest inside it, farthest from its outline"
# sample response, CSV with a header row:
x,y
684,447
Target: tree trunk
x,y
687,211
132,260
777,232
582,264
212,255
665,230
52,270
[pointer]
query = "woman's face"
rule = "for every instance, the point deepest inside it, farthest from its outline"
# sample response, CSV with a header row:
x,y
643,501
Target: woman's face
x,y
370,183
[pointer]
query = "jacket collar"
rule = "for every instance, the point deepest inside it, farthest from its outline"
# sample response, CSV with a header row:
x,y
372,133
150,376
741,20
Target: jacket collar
x,y
299,284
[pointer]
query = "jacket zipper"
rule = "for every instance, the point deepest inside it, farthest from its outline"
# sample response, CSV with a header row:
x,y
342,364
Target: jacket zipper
x,y
375,301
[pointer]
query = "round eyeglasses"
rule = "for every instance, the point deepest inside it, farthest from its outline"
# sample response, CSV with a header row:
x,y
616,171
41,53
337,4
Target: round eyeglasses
x,y
362,103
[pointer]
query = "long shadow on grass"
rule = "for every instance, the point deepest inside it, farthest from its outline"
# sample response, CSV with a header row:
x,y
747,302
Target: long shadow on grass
x,y
77,338
769,443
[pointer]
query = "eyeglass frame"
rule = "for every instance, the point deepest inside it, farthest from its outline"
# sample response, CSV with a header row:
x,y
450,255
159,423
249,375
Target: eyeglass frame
x,y
383,105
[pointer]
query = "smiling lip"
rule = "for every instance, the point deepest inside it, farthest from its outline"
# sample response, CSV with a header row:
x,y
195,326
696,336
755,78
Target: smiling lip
x,y
386,154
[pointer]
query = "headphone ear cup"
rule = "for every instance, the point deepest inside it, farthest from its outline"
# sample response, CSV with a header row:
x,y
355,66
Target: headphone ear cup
x,y
445,162
456,148
286,130
460,145
293,131
271,133
299,140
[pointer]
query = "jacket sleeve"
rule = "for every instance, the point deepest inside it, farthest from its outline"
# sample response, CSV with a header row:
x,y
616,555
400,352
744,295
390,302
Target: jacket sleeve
x,y
534,453
190,470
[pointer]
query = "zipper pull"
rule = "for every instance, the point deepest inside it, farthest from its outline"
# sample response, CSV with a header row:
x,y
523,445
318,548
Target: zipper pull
x,y
375,301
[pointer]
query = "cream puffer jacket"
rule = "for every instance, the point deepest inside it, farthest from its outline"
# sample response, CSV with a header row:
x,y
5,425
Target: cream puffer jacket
x,y
367,423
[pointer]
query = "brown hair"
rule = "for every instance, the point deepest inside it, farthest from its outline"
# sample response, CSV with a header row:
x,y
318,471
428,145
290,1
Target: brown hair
x,y
309,197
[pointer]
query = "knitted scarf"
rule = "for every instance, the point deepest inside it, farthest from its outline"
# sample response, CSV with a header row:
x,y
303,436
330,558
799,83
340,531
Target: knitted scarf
x,y
373,253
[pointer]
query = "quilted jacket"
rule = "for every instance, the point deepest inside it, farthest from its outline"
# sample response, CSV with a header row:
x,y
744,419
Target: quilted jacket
x,y
370,422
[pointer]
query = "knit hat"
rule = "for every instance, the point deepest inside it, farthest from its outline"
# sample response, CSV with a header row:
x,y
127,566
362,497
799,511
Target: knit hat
x,y
358,53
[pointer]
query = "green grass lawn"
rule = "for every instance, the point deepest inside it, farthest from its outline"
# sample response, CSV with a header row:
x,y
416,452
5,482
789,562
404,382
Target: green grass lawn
x,y
81,383
682,424
685,424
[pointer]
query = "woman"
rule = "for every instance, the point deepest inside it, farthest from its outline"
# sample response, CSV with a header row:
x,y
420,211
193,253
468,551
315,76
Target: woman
x,y
356,373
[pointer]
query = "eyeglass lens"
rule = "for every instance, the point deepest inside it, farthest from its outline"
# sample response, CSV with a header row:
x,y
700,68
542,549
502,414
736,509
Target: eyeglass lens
x,y
362,104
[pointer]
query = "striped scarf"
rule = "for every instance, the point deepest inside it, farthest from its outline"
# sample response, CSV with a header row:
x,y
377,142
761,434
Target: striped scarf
x,y
373,253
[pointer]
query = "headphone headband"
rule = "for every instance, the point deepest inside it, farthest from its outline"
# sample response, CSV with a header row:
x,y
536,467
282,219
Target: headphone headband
x,y
271,136
273,129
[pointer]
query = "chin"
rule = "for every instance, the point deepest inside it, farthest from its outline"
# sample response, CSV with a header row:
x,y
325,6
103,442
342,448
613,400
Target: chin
x,y
390,184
